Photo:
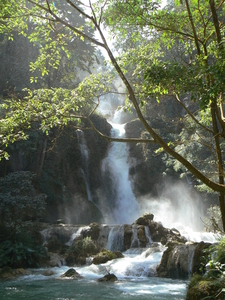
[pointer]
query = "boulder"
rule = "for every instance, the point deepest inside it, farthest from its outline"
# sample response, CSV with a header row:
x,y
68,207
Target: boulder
x,y
145,219
199,256
80,250
106,255
165,235
176,261
93,231
6,273
157,231
202,288
108,277
55,260
71,274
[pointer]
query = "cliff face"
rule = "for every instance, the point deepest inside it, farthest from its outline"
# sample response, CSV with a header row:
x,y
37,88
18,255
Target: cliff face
x,y
67,164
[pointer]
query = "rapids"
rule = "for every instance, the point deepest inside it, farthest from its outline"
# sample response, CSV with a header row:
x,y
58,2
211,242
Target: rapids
x,y
135,273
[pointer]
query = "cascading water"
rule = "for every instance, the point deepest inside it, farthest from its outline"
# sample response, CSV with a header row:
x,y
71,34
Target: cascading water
x,y
122,204
116,239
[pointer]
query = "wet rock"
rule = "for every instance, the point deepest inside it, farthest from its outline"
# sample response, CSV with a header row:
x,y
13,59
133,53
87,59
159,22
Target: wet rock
x,y
141,236
55,260
21,272
48,273
9,273
93,231
145,219
80,250
118,254
199,255
71,274
106,255
163,240
6,273
157,231
127,236
108,277
176,261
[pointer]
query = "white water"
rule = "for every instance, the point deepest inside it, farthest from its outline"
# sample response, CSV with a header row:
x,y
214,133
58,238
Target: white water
x,y
135,273
124,207
116,239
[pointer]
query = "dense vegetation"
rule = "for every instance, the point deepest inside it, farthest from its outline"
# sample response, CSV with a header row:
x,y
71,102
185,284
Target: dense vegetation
x,y
191,36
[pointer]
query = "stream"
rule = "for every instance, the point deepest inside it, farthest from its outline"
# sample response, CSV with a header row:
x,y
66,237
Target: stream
x,y
135,273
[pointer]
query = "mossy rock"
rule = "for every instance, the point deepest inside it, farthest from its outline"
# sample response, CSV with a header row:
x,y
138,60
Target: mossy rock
x,y
78,252
6,273
202,288
118,254
103,256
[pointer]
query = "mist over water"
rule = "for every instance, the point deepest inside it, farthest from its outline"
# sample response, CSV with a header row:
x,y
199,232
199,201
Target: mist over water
x,y
179,206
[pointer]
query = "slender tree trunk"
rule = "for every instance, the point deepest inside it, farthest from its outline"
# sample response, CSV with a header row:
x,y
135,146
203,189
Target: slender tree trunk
x,y
193,27
219,160
216,22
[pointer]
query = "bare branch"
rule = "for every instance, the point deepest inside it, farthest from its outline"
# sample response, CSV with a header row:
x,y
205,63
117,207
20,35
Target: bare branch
x,y
190,114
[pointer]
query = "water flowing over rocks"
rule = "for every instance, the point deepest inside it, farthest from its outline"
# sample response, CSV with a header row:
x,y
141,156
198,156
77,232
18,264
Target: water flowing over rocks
x,y
99,243
176,261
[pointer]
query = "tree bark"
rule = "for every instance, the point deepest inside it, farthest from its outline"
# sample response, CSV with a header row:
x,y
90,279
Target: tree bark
x,y
219,160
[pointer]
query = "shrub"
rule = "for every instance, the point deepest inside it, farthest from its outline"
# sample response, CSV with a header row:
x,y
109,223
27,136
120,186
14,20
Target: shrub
x,y
17,255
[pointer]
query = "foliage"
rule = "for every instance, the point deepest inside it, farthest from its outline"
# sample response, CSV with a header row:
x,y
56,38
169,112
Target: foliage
x,y
23,249
50,108
18,254
19,201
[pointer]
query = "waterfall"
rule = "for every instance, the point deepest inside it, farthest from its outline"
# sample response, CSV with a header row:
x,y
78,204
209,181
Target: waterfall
x,y
76,235
116,239
135,240
148,235
123,207
191,252
85,157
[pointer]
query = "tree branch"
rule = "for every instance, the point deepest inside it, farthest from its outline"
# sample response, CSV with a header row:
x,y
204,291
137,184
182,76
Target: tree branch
x,y
190,114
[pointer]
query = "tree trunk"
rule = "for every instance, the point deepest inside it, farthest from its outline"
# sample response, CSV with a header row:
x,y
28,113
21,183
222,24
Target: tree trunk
x,y
219,160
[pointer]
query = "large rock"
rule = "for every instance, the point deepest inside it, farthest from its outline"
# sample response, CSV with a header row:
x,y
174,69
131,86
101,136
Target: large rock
x,y
71,274
199,256
145,219
93,231
108,277
55,260
106,255
176,261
